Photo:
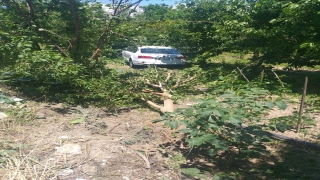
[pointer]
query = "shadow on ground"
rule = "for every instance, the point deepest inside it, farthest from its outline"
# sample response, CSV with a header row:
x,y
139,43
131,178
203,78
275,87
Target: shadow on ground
x,y
292,80
285,161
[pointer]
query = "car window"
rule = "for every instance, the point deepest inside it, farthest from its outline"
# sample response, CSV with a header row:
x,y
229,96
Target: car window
x,y
159,51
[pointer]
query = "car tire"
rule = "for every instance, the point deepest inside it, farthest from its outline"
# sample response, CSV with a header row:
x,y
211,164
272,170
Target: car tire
x,y
131,64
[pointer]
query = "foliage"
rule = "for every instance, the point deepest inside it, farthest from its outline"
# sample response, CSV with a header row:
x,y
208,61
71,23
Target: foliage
x,y
174,162
204,29
55,47
227,121
297,27
194,172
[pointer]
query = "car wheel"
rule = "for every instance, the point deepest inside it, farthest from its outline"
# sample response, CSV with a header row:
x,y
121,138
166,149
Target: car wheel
x,y
131,64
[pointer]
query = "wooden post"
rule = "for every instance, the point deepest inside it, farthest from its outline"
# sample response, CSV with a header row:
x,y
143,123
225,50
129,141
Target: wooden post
x,y
302,103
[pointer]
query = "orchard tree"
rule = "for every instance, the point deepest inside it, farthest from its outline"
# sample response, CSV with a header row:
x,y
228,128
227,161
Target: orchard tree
x,y
58,43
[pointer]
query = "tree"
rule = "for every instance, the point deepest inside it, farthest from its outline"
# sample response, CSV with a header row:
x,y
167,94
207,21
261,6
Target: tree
x,y
57,45
297,27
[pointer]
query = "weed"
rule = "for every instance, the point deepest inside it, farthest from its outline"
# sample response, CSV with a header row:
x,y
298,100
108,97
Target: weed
x,y
175,160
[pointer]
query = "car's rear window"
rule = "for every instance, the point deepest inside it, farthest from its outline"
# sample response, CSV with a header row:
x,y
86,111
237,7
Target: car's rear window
x,y
159,51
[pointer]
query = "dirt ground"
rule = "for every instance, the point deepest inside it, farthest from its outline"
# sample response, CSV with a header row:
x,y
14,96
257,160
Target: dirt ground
x,y
308,133
53,145
74,143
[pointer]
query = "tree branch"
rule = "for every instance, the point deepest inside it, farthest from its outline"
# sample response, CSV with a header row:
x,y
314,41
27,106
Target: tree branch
x,y
179,82
102,40
244,76
34,25
77,25
163,94
152,104
168,77
115,11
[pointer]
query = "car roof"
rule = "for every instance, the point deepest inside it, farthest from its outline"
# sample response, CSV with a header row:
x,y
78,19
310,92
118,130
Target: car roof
x,y
162,47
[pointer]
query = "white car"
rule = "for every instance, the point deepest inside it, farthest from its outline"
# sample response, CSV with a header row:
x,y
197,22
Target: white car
x,y
152,55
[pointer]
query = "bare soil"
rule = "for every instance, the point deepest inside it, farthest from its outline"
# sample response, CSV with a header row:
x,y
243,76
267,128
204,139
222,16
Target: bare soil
x,y
122,146
308,133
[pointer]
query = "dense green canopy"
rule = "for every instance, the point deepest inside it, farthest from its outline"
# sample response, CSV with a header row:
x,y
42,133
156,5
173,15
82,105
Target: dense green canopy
x,y
67,43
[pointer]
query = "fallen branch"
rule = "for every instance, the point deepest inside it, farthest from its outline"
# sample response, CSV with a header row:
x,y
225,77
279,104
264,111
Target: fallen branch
x,y
168,77
152,103
278,78
163,94
179,82
244,76
114,127
154,85
168,105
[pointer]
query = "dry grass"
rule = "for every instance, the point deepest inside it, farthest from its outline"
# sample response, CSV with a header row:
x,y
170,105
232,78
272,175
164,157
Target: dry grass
x,y
29,147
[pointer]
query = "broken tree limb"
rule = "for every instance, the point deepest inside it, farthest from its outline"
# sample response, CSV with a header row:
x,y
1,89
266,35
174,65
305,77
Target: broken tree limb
x,y
168,105
152,103
244,76
168,77
162,94
179,82
154,85
278,78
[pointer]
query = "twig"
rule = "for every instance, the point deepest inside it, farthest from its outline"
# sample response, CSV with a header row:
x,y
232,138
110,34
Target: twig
x,y
114,127
179,82
244,76
43,165
154,85
278,78
168,77
145,159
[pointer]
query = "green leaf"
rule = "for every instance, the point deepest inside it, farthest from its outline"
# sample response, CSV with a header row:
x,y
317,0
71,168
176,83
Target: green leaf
x,y
194,132
185,130
188,111
173,124
206,113
193,172
259,91
270,105
218,112
259,104
185,123
212,152
235,120
214,126
281,105
209,138
216,177
77,121
226,95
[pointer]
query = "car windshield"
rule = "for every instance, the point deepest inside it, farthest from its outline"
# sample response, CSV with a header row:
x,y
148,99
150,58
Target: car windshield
x,y
159,51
